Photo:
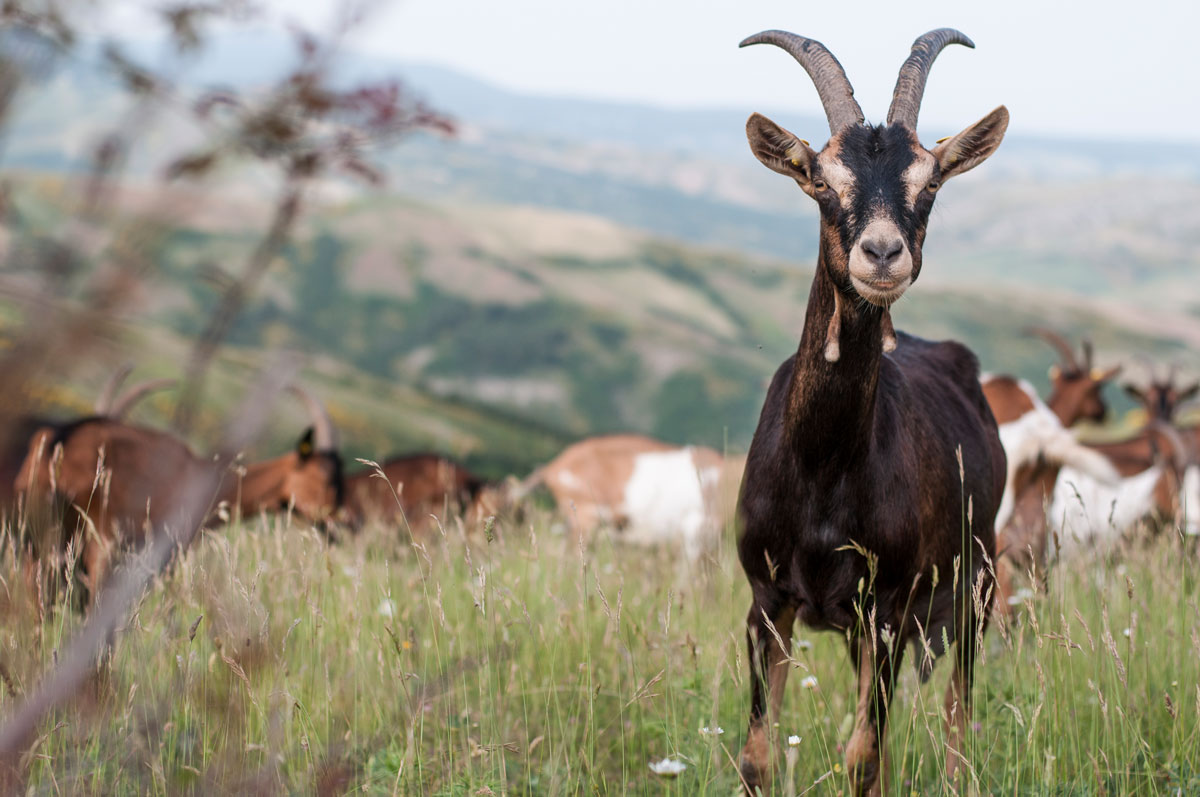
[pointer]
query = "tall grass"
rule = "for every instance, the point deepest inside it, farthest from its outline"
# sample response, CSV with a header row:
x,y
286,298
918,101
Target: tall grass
x,y
268,660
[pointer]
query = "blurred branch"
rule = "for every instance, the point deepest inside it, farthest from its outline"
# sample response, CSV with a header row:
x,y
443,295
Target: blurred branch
x,y
78,659
308,129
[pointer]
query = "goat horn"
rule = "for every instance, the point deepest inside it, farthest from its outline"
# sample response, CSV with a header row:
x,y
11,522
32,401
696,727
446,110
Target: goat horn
x,y
1060,344
325,433
136,393
1087,355
834,89
109,392
910,85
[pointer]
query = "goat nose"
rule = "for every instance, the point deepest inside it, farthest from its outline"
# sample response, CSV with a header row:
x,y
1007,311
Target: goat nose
x,y
882,251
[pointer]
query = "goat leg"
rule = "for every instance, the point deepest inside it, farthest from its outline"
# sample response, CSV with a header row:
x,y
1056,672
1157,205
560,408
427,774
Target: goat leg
x,y
958,692
877,666
768,674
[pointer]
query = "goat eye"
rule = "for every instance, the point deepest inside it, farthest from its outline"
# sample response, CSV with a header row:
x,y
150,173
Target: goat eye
x,y
934,185
819,185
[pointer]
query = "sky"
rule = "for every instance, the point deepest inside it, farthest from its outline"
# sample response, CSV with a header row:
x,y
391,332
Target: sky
x,y
1097,70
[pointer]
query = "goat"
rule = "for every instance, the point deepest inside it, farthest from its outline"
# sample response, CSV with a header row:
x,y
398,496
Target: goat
x,y
649,491
876,468
1160,471
125,479
414,487
1160,478
21,429
1161,397
1037,445
1075,388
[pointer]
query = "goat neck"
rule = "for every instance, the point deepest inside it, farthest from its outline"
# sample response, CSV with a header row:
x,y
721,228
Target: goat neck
x,y
829,400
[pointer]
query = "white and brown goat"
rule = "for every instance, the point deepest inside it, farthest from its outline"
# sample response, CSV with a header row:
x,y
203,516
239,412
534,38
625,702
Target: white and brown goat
x,y
650,492
1038,444
876,469
1160,476
125,480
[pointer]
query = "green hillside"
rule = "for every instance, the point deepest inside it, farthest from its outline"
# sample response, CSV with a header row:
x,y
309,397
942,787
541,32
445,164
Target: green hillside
x,y
498,333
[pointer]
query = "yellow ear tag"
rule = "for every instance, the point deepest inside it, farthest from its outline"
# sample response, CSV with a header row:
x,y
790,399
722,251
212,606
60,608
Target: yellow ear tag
x,y
306,448
795,161
805,143
943,139
1054,372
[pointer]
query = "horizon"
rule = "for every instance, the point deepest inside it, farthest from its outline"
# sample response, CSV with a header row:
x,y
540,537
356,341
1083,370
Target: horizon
x,y
1125,99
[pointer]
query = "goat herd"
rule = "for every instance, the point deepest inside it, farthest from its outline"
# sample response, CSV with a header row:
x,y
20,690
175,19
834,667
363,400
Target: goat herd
x,y
889,493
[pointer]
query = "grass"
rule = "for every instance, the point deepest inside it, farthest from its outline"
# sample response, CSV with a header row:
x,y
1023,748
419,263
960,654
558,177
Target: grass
x,y
270,660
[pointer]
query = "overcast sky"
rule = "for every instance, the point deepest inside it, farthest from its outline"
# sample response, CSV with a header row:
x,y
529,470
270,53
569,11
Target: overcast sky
x,y
1101,69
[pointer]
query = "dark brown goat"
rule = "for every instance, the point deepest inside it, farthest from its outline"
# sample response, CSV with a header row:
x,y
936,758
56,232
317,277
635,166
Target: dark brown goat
x,y
414,487
874,475
125,479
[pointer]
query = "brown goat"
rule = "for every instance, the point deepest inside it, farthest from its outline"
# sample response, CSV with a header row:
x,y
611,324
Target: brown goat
x,y
413,488
1075,387
126,479
876,469
22,428
648,491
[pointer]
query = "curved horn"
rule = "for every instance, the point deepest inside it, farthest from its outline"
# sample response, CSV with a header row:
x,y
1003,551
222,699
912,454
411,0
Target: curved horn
x,y
109,391
910,85
1060,344
837,95
325,433
1087,355
136,393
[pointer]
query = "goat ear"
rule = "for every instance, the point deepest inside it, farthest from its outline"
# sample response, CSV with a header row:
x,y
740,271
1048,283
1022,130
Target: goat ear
x,y
973,146
779,150
1135,393
304,446
1105,376
1189,392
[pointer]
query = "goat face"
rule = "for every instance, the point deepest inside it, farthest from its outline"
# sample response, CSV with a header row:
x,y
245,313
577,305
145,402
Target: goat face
x,y
1081,392
313,482
875,186
1161,399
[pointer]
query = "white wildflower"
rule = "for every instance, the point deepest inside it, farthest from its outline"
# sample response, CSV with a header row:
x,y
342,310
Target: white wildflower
x,y
809,682
804,644
707,731
668,767
1127,632
388,608
793,741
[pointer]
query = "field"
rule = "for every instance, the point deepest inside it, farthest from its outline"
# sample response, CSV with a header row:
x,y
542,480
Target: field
x,y
269,660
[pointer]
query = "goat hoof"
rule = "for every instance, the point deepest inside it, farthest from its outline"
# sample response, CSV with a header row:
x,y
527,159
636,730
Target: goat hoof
x,y
752,777
863,776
